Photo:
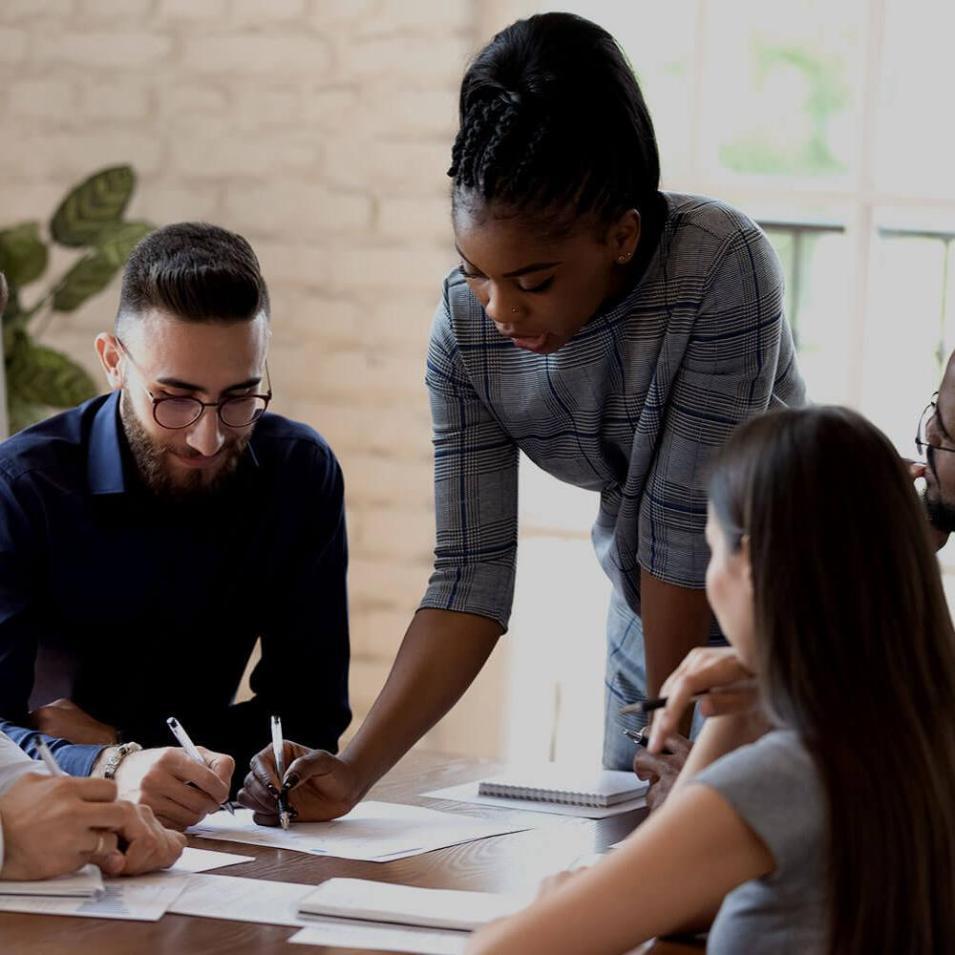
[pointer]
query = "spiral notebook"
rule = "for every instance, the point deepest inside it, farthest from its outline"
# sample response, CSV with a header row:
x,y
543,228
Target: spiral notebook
x,y
565,785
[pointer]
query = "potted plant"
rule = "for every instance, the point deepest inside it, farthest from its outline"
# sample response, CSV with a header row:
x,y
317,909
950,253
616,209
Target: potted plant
x,y
40,379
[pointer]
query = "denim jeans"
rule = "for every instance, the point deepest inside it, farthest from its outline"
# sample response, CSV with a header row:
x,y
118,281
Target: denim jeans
x,y
624,682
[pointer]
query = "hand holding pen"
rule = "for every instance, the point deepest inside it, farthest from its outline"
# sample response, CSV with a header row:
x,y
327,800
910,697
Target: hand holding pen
x,y
715,676
74,820
192,752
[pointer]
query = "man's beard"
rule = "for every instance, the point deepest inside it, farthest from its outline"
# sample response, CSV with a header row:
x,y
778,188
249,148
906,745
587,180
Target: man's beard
x,y
941,513
153,465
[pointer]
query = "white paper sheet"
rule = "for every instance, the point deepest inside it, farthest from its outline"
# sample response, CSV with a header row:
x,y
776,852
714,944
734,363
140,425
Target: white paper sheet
x,y
368,900
242,900
468,792
85,883
201,860
142,898
371,832
383,938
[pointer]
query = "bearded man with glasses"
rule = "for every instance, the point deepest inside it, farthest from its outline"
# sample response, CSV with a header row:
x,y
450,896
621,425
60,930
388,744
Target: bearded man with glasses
x,y
936,446
149,538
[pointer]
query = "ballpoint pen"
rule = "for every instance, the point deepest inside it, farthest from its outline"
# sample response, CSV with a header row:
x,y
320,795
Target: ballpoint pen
x,y
278,751
51,764
182,737
647,706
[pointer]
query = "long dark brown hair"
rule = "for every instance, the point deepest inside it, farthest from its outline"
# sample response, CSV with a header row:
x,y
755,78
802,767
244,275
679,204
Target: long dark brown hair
x,y
856,653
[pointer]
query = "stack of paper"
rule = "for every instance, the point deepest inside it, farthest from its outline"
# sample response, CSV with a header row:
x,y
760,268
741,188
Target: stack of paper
x,y
362,914
143,898
367,936
85,883
372,901
371,832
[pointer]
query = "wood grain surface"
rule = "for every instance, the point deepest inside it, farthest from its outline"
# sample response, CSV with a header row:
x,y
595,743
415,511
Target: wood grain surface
x,y
497,864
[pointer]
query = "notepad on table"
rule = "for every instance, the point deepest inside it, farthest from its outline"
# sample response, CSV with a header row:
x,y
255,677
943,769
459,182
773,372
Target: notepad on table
x,y
85,883
568,786
371,901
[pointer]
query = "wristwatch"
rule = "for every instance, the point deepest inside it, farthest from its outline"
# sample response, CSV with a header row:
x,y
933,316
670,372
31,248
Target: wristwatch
x,y
118,754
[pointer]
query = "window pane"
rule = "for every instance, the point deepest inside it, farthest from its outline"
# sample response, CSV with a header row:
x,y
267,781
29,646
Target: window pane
x,y
824,319
781,86
660,42
915,151
904,334
816,264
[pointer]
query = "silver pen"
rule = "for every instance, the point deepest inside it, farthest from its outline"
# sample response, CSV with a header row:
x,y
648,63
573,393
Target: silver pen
x,y
51,764
182,737
278,751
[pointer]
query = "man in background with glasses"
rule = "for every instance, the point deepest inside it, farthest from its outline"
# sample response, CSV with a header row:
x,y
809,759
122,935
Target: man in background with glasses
x,y
935,443
149,537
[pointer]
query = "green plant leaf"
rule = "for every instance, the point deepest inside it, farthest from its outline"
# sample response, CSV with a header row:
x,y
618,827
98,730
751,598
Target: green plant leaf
x,y
118,240
23,254
13,311
96,202
92,273
42,376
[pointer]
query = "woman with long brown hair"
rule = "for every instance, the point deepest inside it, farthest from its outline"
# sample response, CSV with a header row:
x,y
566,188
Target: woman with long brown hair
x,y
817,811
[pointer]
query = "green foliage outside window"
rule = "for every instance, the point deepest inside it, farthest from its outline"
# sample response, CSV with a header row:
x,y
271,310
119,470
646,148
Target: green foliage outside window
x,y
827,94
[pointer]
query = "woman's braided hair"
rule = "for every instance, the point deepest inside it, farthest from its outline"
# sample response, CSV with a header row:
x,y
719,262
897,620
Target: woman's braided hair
x,y
553,124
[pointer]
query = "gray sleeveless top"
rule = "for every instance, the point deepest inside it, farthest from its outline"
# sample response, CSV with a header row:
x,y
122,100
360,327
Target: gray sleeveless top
x,y
775,788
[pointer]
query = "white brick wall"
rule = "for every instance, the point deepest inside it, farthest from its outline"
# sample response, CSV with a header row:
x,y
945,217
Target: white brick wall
x,y
321,130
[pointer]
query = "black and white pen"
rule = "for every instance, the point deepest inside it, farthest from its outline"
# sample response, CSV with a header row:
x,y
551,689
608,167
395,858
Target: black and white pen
x,y
182,737
51,764
648,706
278,751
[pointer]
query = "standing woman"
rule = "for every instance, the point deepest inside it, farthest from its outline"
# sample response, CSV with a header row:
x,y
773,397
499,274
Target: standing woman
x,y
615,334
822,837
612,332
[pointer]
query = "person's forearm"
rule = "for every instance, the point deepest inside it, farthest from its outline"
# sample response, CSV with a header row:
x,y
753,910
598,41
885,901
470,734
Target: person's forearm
x,y
76,759
675,620
720,735
441,654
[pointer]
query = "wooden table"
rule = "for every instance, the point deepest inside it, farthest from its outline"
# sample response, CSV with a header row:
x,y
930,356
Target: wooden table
x,y
498,864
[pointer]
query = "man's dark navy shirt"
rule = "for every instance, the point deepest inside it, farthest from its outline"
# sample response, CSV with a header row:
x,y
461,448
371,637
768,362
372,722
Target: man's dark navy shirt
x,y
139,607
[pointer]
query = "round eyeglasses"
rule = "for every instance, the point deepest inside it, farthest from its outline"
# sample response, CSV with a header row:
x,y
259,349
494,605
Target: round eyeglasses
x,y
234,411
177,413
923,441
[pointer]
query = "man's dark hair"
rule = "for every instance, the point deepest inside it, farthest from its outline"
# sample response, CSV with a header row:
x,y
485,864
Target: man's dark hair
x,y
195,271
553,123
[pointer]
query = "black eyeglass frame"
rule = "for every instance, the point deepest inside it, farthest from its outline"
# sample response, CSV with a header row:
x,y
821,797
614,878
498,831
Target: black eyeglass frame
x,y
931,410
202,405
